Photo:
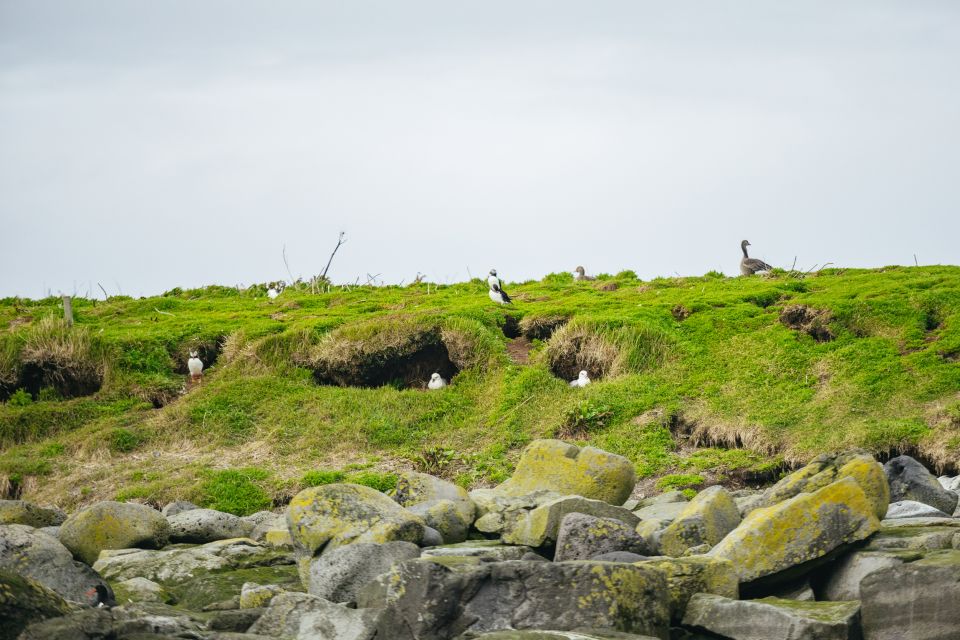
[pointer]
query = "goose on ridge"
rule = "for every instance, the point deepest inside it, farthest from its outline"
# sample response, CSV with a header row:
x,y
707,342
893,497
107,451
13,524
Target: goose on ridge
x,y
750,266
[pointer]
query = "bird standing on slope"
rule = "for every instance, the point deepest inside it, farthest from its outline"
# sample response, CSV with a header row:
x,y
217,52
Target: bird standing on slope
x,y
497,294
195,366
750,266
581,274
581,381
436,382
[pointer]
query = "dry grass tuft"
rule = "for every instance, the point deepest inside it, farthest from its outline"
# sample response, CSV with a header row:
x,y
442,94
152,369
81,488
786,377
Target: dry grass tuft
x,y
65,358
541,327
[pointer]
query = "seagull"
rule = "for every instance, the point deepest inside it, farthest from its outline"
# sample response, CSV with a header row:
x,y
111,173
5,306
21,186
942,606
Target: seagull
x,y
195,365
580,274
750,266
272,293
436,382
581,381
497,294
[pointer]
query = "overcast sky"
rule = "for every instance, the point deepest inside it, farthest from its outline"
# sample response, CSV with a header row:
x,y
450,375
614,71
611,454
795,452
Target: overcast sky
x,y
148,145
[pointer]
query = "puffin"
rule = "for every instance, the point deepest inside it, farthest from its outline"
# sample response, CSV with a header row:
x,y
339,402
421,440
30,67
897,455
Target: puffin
x,y
497,294
195,366
436,382
581,381
750,266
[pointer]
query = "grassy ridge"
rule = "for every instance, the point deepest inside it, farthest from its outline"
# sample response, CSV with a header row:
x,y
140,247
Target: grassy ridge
x,y
677,362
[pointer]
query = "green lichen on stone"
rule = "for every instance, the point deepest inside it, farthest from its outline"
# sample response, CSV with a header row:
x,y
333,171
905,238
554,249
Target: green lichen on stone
x,y
687,576
706,519
541,525
113,525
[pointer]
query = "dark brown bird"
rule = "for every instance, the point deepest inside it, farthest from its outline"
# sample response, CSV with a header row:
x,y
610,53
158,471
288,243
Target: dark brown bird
x,y
750,266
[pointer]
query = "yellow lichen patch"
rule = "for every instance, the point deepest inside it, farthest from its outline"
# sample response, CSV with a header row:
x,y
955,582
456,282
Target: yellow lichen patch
x,y
706,519
803,528
698,574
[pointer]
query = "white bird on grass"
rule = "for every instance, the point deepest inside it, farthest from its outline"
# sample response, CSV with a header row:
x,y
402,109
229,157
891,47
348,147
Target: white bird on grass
x,y
195,366
436,382
497,294
581,381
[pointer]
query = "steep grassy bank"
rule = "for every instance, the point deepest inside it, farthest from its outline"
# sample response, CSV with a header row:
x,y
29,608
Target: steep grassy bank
x,y
694,378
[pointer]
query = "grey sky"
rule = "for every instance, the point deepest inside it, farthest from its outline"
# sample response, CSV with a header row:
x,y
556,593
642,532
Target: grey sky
x,y
159,144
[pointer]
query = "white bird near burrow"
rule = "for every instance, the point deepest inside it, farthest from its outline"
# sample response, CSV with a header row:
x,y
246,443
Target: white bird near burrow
x,y
436,382
497,294
195,366
581,381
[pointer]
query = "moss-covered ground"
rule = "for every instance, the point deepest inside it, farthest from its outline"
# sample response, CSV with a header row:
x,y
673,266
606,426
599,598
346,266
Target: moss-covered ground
x,y
692,377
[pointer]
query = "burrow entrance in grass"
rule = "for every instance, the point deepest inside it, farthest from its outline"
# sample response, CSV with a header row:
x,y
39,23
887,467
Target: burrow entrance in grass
x,y
573,348
67,381
405,361
208,350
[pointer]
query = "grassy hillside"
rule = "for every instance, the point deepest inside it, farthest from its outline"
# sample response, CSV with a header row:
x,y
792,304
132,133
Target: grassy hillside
x,y
695,379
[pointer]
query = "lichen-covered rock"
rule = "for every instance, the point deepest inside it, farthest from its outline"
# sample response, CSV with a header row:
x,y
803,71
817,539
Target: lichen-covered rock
x,y
438,598
769,618
540,526
23,601
687,576
330,516
200,526
569,470
176,507
113,525
486,550
497,512
256,596
418,488
798,530
915,538
445,517
23,512
915,600
289,613
128,622
339,575
828,468
582,537
39,557
706,519
576,634
912,509
141,590
910,480
844,576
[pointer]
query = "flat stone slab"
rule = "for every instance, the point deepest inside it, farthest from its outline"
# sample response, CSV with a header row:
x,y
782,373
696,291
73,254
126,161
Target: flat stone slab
x,y
772,618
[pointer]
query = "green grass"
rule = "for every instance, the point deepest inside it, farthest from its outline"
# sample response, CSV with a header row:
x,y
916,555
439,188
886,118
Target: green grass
x,y
705,356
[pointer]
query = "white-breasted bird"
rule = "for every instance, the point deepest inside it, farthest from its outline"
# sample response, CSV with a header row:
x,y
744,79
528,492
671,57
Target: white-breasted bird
x,y
272,293
497,294
581,381
436,382
750,266
195,366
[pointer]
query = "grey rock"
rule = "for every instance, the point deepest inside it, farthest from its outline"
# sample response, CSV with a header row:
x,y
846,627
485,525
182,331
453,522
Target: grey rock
x,y
619,556
35,555
431,537
915,600
129,622
260,517
665,511
199,526
950,483
769,618
917,538
582,537
238,620
423,489
913,509
530,556
141,590
486,550
706,520
843,581
53,532
576,634
23,601
301,615
445,517
179,506
801,591
339,575
497,512
23,512
438,598
541,526
258,596
113,525
910,480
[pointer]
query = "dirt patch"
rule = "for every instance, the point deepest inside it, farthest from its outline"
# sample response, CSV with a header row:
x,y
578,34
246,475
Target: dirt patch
x,y
680,313
541,327
519,350
814,322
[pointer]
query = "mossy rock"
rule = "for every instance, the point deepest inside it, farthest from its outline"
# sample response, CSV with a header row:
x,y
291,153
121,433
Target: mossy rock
x,y
554,465
113,525
445,517
541,526
695,574
417,488
23,601
828,468
23,512
773,617
333,515
141,590
706,519
804,528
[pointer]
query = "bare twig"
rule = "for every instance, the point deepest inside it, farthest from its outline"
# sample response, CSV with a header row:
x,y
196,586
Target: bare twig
x,y
915,263
105,296
372,279
287,264
340,241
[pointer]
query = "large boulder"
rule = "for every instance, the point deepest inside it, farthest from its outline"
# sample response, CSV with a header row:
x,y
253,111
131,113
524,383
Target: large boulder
x,y
128,622
486,550
37,556
582,537
910,480
339,575
913,509
438,598
696,574
23,601
799,530
772,618
113,525
929,537
199,526
330,516
706,519
829,468
497,512
569,470
915,600
306,616
541,526
23,512
577,634
445,517
842,582
178,506
141,590
419,488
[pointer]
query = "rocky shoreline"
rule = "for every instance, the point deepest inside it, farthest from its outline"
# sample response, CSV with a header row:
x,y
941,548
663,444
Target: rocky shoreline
x,y
843,548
